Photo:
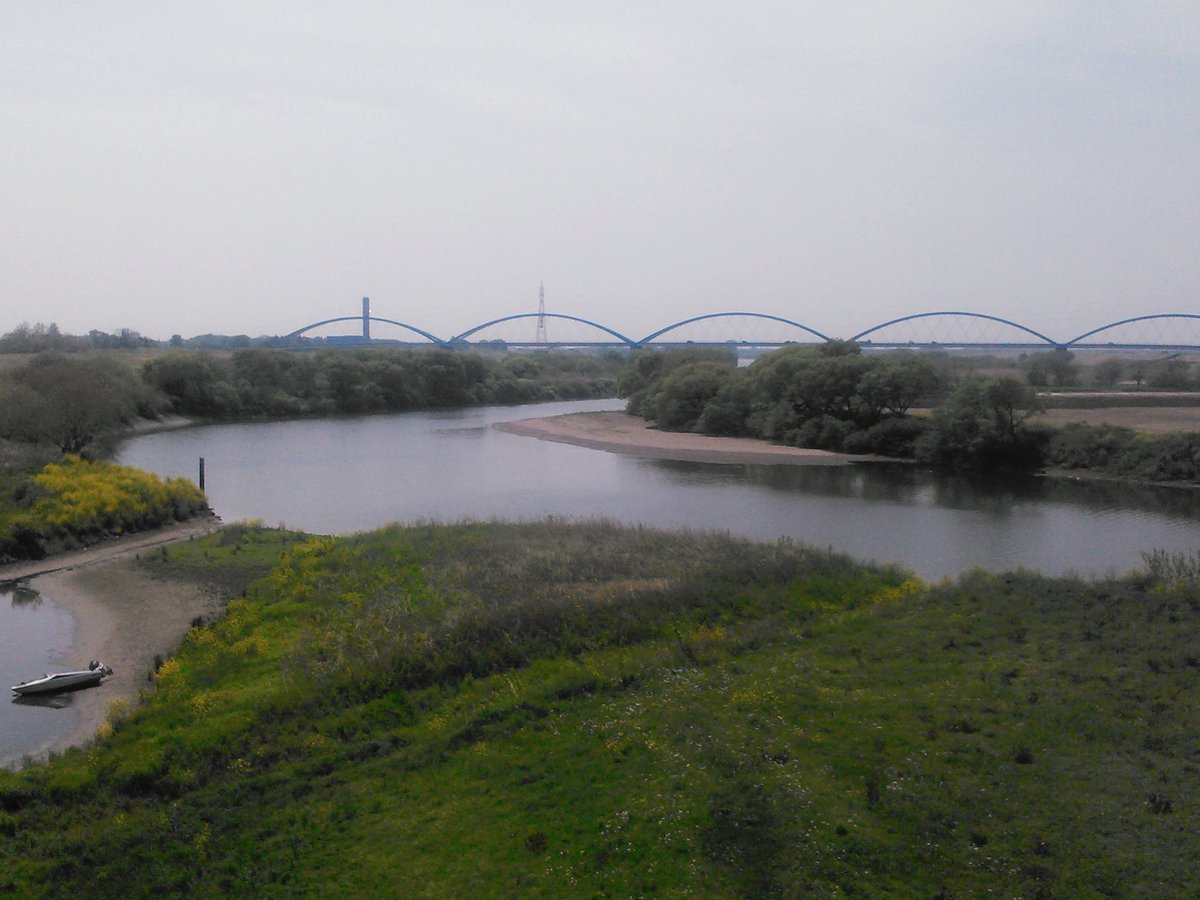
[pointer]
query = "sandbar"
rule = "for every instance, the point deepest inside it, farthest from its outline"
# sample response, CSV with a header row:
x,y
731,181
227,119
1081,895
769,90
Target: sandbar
x,y
619,432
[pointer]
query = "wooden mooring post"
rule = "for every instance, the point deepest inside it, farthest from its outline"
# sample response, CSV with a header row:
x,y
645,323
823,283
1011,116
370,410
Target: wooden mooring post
x,y
202,473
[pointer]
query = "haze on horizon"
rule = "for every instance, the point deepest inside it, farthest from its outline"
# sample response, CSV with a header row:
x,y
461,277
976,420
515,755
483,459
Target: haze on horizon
x,y
250,168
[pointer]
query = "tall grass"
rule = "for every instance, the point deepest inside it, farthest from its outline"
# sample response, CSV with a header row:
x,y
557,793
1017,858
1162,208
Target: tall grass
x,y
1169,566
590,710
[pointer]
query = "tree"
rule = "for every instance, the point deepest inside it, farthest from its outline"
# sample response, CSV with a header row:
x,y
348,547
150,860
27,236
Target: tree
x,y
37,339
1137,371
898,383
1171,375
638,377
726,413
1107,372
983,425
1010,404
835,382
1056,368
195,384
641,379
796,384
685,392
71,402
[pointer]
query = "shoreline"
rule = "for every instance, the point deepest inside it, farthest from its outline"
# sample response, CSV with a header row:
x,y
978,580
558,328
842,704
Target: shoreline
x,y
122,617
109,548
163,423
620,432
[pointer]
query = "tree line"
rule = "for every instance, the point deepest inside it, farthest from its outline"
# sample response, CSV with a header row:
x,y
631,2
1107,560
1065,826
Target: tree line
x,y
832,396
255,383
835,397
75,403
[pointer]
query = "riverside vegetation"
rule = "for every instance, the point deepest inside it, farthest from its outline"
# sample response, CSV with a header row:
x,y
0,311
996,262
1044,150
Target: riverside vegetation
x,y
831,397
79,404
76,502
589,710
835,397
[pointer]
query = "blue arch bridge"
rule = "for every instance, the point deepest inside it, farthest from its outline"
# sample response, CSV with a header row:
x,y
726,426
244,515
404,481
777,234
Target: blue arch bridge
x,y
940,329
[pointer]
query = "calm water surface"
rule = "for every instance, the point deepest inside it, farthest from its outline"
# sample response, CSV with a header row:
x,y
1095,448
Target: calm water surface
x,y
35,638
348,475
342,476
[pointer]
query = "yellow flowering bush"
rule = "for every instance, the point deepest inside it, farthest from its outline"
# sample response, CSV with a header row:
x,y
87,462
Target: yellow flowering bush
x,y
902,591
80,500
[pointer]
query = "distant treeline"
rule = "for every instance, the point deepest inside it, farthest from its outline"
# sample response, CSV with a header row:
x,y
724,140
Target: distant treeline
x,y
255,383
835,397
75,403
40,338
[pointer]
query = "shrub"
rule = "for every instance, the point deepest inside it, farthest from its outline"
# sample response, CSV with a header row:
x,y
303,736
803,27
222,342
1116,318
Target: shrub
x,y
896,436
79,501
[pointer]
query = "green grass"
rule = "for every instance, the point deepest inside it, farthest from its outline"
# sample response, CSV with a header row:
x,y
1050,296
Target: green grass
x,y
588,710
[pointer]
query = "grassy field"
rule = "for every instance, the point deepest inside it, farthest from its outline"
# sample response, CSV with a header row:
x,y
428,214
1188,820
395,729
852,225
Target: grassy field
x,y
1145,419
588,710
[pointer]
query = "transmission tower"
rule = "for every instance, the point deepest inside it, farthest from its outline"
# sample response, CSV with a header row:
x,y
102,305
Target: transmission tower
x,y
540,337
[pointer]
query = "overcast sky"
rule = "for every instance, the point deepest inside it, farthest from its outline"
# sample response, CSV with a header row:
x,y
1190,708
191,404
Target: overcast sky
x,y
250,167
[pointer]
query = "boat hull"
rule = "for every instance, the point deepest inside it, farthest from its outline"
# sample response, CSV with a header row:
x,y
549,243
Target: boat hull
x,y
62,681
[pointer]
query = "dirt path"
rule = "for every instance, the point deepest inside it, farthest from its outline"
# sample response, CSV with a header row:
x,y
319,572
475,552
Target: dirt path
x,y
620,432
109,550
123,616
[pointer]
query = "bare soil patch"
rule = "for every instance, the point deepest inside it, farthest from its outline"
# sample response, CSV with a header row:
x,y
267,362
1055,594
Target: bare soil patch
x,y
1148,419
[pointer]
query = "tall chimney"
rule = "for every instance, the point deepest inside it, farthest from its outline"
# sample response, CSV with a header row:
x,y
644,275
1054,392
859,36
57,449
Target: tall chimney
x,y
366,318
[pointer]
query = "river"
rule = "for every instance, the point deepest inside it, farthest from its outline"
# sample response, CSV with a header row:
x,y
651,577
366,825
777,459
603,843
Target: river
x,y
338,476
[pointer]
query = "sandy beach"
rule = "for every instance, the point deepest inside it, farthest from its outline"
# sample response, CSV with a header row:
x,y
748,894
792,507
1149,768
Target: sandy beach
x,y
619,432
123,616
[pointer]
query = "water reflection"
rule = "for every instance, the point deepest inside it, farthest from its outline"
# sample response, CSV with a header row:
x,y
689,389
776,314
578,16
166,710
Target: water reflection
x,y
20,594
884,483
54,701
35,636
362,473
995,494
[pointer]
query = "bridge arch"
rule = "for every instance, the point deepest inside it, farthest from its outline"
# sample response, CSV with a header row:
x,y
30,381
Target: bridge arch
x,y
970,315
721,315
1094,331
470,331
425,334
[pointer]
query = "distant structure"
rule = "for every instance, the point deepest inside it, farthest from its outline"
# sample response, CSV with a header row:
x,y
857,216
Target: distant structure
x,y
540,336
1174,338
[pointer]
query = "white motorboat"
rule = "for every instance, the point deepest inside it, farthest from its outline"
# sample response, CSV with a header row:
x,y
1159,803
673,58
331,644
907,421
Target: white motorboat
x,y
64,681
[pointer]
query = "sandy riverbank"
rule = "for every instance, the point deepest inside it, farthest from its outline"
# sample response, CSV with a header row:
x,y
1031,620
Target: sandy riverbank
x,y
123,616
619,432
